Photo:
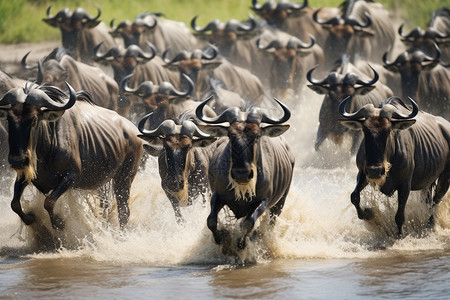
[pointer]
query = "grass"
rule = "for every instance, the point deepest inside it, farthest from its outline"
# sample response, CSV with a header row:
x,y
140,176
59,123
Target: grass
x,y
21,20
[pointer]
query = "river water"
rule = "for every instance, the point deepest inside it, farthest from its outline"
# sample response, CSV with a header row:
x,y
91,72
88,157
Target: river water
x,y
318,249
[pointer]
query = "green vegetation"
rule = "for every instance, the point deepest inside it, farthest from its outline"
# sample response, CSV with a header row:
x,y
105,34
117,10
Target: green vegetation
x,y
21,20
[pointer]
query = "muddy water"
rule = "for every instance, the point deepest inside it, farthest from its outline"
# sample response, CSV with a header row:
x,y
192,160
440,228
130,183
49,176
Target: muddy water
x,y
318,249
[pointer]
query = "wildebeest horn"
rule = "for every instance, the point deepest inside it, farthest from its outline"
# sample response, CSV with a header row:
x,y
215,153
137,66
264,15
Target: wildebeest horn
x,y
312,80
124,84
62,14
40,74
140,20
332,21
51,98
147,55
363,112
168,89
256,5
180,56
284,118
293,6
213,25
296,43
120,26
189,129
24,64
167,127
214,53
415,111
276,44
374,79
225,116
354,22
111,53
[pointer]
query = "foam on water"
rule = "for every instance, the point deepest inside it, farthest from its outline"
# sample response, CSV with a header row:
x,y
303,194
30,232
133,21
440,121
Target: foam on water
x,y
318,220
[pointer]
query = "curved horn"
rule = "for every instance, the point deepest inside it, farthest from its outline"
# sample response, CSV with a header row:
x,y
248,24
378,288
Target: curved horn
x,y
249,27
276,43
44,98
180,56
111,53
256,5
293,6
225,116
24,64
400,32
332,21
414,112
314,81
215,52
213,25
167,127
191,130
175,92
99,13
146,55
143,22
40,74
296,43
354,22
284,118
124,84
361,113
374,79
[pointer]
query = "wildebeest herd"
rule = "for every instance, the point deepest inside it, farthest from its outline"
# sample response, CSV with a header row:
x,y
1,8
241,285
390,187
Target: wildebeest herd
x,y
211,103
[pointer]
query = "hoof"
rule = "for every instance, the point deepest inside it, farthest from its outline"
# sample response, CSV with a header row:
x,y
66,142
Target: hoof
x,y
247,225
220,236
57,223
29,218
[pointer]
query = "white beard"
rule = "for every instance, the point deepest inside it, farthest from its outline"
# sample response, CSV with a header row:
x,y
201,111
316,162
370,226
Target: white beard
x,y
244,191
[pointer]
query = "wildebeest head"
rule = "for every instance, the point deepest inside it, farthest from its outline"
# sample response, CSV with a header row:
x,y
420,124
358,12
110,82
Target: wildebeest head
x,y
156,97
131,32
338,86
423,39
24,108
191,63
287,69
410,65
175,143
244,130
124,61
71,24
378,125
225,34
276,13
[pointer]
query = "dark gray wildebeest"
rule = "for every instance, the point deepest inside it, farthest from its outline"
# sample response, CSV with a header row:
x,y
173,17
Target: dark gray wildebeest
x,y
80,32
362,30
163,100
59,141
402,150
183,153
293,18
437,32
251,172
201,65
58,67
154,28
346,81
423,78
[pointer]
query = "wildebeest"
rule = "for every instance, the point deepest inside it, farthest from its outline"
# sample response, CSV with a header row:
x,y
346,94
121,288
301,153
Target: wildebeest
x,y
423,79
201,65
59,141
346,81
362,29
402,151
58,67
183,153
80,32
437,32
251,173
291,58
163,100
293,18
161,32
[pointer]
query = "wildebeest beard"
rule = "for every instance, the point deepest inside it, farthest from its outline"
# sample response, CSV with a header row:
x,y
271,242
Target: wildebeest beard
x,y
379,182
29,172
244,191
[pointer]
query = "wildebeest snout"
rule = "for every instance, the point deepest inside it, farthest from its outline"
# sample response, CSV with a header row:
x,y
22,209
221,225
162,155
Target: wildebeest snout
x,y
19,162
375,172
243,175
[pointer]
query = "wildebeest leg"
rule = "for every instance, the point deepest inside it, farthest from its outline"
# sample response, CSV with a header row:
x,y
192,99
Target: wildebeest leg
x,y
403,194
249,222
19,186
441,189
50,200
176,208
275,210
355,197
216,206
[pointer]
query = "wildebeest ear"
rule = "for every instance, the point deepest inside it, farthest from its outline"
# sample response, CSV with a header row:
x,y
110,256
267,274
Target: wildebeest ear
x,y
153,151
402,124
352,124
203,142
51,22
52,115
364,90
214,130
318,89
3,113
211,65
274,130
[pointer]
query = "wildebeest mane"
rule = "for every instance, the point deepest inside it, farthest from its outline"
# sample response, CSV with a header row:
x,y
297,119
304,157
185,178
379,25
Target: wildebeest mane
x,y
441,12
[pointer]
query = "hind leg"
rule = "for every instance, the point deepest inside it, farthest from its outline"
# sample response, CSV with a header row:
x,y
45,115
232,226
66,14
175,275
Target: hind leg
x,y
50,200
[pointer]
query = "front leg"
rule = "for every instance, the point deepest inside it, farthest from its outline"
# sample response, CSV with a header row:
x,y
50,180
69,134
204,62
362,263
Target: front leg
x,y
249,222
216,206
19,187
176,207
50,200
403,194
361,183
